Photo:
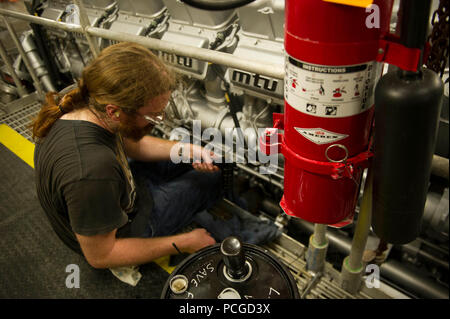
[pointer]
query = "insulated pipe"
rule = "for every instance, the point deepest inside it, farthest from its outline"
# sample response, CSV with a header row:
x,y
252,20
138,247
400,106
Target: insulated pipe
x,y
12,72
421,286
320,231
29,47
352,266
265,177
12,33
317,249
363,226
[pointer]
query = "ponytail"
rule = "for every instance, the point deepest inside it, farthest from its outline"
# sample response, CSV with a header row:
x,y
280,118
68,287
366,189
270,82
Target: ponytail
x,y
55,106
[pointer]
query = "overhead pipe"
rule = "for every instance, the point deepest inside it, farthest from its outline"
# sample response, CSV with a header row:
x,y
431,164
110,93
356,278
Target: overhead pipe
x,y
42,21
221,58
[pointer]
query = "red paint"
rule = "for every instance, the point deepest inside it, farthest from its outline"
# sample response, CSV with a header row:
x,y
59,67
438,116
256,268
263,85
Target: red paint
x,y
327,34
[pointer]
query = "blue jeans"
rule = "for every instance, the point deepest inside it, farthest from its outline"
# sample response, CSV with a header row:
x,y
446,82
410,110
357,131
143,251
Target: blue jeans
x,y
169,195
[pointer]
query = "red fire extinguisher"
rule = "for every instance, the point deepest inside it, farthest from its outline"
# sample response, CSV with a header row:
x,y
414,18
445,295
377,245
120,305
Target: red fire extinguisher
x,y
331,70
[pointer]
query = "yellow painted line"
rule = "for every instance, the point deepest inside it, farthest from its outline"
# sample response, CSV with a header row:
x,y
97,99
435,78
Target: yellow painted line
x,y
17,144
24,149
354,3
163,262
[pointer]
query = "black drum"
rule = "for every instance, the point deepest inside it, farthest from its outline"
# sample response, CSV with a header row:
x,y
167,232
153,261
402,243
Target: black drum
x,y
230,270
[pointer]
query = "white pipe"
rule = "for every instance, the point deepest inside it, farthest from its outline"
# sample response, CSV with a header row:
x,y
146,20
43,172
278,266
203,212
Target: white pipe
x,y
42,21
267,69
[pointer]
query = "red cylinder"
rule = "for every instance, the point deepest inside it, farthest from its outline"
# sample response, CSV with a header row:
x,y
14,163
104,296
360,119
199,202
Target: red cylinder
x,y
329,83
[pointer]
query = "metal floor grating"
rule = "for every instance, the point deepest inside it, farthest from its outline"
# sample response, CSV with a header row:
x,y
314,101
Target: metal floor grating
x,y
20,119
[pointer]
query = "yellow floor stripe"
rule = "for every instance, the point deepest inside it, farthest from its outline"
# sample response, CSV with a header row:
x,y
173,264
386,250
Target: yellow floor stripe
x,y
17,144
163,262
24,149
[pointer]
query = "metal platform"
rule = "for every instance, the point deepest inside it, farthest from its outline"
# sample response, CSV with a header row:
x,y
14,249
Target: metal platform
x,y
20,113
310,285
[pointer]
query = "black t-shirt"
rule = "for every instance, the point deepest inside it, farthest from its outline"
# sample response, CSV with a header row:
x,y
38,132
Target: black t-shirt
x,y
80,183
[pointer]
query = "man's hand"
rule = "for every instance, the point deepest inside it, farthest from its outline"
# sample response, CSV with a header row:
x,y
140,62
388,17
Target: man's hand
x,y
197,239
203,159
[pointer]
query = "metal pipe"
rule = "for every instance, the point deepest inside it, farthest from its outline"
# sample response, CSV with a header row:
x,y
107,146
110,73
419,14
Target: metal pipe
x,y
420,285
261,176
42,21
414,23
317,249
36,82
362,227
408,248
337,240
352,266
311,285
268,69
38,65
262,68
5,58
320,231
84,22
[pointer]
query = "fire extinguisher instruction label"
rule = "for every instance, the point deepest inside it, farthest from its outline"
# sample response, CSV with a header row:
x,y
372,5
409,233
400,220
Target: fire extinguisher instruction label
x,y
329,91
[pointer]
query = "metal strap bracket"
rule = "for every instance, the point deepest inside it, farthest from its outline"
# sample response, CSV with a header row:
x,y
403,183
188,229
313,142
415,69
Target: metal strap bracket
x,y
391,51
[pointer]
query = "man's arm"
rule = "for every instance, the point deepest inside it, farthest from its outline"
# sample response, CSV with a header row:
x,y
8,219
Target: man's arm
x,y
107,251
150,148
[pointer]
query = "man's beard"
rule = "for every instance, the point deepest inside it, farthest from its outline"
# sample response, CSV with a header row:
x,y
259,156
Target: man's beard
x,y
128,129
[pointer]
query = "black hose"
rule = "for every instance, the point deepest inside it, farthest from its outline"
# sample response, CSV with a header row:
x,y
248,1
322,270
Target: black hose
x,y
414,24
217,5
